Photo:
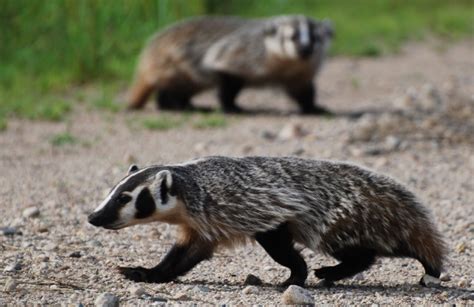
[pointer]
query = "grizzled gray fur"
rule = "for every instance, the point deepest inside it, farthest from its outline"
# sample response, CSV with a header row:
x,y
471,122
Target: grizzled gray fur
x,y
337,208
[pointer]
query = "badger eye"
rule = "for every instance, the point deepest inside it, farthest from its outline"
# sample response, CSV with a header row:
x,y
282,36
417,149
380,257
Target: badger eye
x,y
124,198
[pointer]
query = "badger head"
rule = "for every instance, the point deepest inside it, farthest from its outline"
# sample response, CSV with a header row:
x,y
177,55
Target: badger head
x,y
141,197
297,37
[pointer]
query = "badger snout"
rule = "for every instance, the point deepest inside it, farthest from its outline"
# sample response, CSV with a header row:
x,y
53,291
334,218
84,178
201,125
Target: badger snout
x,y
101,219
305,51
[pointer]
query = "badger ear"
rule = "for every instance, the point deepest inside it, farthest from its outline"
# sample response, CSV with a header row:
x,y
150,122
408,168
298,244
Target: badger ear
x,y
327,27
164,179
269,29
132,169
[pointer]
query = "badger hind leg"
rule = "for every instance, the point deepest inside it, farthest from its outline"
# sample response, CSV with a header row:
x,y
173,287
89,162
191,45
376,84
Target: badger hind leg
x,y
353,260
278,243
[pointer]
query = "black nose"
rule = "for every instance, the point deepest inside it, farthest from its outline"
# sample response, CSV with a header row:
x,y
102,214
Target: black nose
x,y
305,51
96,219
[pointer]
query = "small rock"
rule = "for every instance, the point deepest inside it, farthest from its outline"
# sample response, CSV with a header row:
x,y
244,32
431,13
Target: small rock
x,y
252,280
94,243
268,135
292,131
431,281
392,143
137,290
12,267
296,295
250,290
461,247
181,296
9,231
298,151
42,258
10,285
31,212
50,247
463,283
107,300
444,277
246,149
198,289
158,299
75,254
200,147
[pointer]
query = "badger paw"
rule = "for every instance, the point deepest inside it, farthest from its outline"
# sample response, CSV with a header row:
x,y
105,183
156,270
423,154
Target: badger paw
x,y
137,274
323,272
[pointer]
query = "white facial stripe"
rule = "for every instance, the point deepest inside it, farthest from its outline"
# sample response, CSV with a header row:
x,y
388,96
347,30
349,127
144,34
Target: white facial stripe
x,y
109,197
127,213
304,33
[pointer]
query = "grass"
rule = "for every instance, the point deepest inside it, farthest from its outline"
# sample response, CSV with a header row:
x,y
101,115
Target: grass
x,y
64,138
163,123
212,120
49,47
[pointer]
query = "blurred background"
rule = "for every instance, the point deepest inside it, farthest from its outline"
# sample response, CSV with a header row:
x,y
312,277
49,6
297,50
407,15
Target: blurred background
x,y
50,48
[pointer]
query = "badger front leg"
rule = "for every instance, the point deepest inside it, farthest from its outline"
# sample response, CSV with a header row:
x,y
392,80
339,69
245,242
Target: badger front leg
x,y
178,261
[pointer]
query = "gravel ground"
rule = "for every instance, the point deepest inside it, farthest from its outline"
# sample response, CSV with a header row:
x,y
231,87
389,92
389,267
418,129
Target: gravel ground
x,y
416,125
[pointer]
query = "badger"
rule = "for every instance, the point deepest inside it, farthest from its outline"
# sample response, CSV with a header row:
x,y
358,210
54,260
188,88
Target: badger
x,y
337,208
230,53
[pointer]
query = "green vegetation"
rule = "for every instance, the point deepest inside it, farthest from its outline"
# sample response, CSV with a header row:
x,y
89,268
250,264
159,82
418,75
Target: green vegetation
x,y
62,139
48,48
163,122
212,120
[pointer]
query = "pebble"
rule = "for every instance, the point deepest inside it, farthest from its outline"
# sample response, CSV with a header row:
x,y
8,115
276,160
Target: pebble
x,y
13,267
94,243
461,247
9,231
31,212
250,290
252,280
107,300
181,296
76,254
463,283
292,131
296,295
268,135
136,290
199,288
444,277
10,285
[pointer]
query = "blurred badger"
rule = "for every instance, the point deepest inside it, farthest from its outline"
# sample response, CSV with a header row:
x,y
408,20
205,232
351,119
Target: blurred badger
x,y
231,53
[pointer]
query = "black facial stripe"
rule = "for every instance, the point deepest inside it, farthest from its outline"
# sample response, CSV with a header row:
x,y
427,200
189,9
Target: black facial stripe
x,y
145,204
164,192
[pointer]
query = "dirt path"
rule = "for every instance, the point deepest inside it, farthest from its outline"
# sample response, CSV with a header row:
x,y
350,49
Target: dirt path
x,y
419,130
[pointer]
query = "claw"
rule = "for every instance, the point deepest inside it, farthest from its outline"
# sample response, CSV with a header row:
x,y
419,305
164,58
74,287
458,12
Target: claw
x,y
136,274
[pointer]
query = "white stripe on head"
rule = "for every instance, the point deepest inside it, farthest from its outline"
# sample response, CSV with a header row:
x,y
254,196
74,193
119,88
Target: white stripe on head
x,y
122,182
304,33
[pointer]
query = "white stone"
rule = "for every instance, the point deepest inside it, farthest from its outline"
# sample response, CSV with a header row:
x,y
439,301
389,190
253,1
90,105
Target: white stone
x,y
137,290
292,131
107,300
431,281
13,267
250,290
10,285
298,296
445,277
31,212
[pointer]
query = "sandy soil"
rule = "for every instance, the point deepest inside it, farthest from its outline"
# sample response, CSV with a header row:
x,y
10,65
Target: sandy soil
x,y
417,126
